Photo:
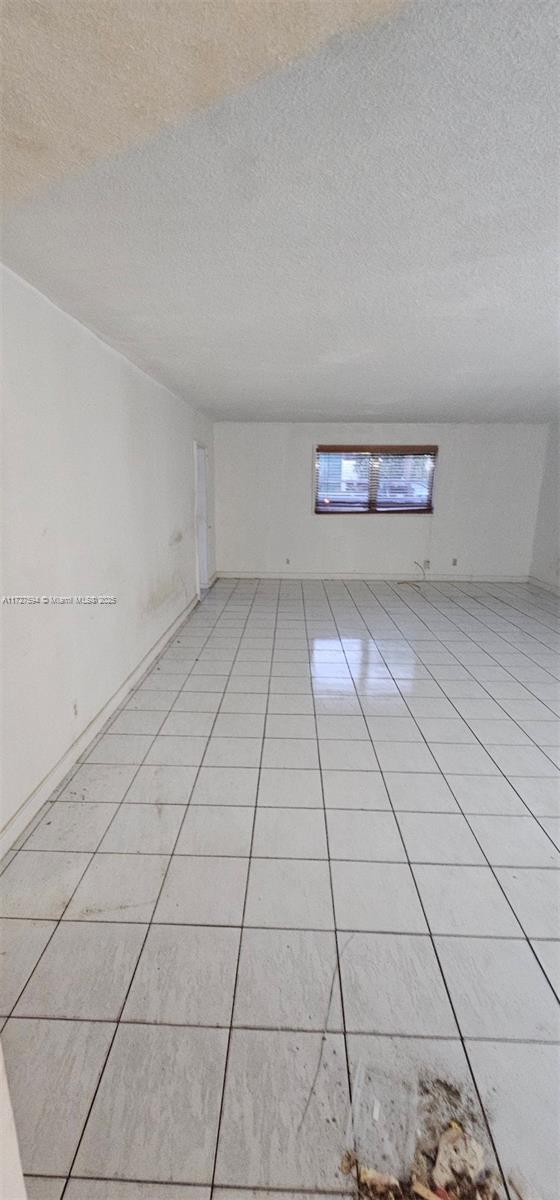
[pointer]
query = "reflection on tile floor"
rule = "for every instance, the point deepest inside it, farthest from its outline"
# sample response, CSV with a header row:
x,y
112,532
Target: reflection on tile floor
x,y
313,856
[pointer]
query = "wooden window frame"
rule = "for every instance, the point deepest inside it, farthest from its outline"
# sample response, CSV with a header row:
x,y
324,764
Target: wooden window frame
x,y
373,451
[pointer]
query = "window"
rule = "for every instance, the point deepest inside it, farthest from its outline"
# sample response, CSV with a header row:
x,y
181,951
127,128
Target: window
x,y
374,479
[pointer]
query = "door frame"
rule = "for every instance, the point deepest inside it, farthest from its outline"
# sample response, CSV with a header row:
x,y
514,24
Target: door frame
x,y
200,446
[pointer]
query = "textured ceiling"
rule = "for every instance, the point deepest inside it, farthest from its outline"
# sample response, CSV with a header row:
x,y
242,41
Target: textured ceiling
x,y
82,79
366,233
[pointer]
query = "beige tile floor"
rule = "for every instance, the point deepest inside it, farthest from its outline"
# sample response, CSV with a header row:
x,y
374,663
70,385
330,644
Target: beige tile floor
x,y
312,861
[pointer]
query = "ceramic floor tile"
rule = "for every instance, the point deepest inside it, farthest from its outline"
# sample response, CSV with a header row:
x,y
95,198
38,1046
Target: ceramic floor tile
x,y
384,706
285,833
137,721
177,751
53,1068
121,748
337,706
486,795
118,1189
515,842
216,829
289,894
226,785
206,683
419,793
203,891
289,788
72,827
551,826
290,752
234,702
233,752
41,1187
288,979
524,760
188,724
548,954
393,729
161,681
95,961
427,687
439,837
440,729
405,756
150,701
465,900
118,887
479,708
425,706
409,1089
499,733
355,789
345,728
364,835
376,896
239,725
347,756
21,945
516,1081
286,726
40,884
101,784
292,1145
544,733
430,674
250,684
541,795
185,976
197,702
176,1073
498,989
281,705
161,785
535,897
143,829
463,760
413,999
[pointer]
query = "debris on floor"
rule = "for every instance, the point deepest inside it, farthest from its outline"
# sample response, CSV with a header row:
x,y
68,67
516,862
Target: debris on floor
x,y
457,1171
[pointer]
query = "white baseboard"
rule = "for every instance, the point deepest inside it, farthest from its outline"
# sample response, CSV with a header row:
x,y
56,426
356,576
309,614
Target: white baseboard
x,y
30,807
368,576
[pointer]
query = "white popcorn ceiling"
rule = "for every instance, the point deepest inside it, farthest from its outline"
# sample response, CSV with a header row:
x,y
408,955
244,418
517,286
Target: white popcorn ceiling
x,y
366,233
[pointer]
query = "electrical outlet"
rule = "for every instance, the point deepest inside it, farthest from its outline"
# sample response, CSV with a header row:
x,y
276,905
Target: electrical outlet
x,y
426,564
454,562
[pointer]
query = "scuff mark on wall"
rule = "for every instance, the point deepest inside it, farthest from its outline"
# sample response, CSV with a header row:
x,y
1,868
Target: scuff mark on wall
x,y
161,594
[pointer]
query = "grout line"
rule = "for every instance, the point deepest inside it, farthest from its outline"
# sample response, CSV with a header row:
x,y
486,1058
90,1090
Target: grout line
x,y
496,866
239,948
338,972
148,927
449,998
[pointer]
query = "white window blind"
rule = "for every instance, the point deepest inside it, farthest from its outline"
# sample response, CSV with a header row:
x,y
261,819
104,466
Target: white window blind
x,y
374,479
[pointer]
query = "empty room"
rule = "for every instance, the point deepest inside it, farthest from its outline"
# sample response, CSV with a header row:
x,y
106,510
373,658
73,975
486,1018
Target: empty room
x,y
280,784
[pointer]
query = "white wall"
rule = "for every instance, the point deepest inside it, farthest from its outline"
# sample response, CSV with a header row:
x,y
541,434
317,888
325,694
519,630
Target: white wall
x,y
485,498
98,498
546,548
